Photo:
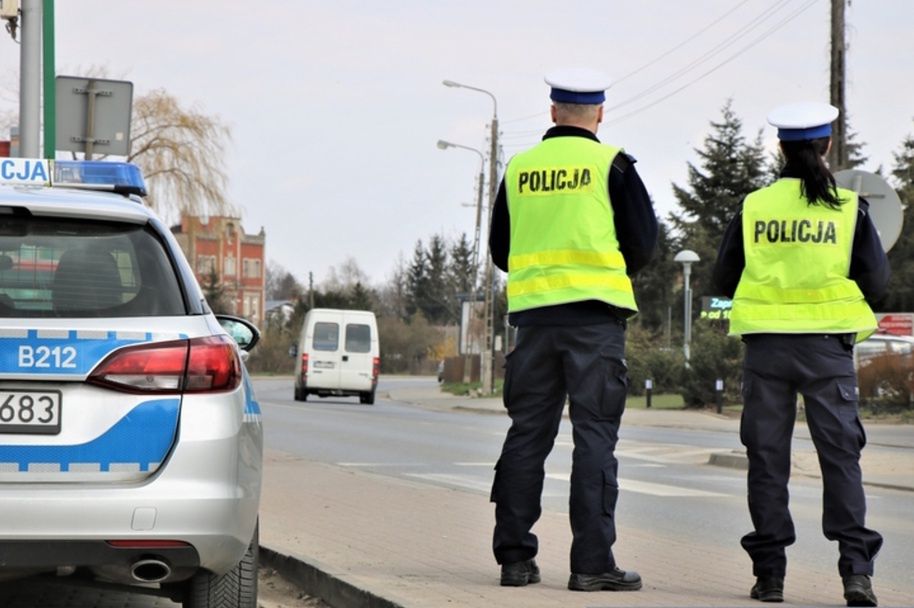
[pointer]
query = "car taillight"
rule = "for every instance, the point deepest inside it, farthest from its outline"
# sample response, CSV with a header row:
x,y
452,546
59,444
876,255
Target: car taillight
x,y
375,368
197,365
304,366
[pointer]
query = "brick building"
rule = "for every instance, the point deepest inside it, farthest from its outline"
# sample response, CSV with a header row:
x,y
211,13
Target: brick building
x,y
219,245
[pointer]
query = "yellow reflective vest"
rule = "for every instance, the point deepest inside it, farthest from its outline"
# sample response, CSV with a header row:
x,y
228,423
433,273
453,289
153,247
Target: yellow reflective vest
x,y
563,238
797,262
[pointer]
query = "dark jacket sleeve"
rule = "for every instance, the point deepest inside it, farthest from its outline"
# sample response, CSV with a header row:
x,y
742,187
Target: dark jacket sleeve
x,y
869,263
731,259
635,220
500,231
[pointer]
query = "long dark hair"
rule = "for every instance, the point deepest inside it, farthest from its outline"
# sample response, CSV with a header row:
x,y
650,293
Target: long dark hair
x,y
817,183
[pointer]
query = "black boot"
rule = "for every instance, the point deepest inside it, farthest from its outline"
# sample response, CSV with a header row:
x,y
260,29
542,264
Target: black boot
x,y
858,591
768,589
519,574
614,580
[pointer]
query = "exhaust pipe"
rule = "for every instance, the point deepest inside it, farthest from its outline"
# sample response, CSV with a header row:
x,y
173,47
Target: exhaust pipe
x,y
150,570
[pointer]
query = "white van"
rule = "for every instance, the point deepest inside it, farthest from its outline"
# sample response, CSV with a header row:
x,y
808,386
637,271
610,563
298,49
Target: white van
x,y
338,354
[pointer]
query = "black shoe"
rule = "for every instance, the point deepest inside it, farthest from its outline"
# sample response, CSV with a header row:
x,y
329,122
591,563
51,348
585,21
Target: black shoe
x,y
768,589
858,591
615,580
518,574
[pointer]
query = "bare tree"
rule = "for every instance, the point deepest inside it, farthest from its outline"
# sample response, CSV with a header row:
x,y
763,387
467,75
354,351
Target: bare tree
x,y
180,151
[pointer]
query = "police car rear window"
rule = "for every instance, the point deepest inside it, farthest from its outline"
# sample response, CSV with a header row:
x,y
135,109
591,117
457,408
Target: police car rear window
x,y
52,267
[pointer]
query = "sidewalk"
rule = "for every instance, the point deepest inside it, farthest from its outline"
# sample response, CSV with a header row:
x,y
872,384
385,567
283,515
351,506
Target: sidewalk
x,y
365,540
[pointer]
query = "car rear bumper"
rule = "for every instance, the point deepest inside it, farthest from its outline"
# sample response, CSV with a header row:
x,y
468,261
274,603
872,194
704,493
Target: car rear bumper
x,y
206,494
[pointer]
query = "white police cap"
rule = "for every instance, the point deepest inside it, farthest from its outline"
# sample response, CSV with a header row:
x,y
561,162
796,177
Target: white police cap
x,y
578,85
803,120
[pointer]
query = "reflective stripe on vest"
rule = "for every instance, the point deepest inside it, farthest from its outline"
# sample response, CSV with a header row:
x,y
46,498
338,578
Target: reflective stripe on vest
x,y
563,238
797,261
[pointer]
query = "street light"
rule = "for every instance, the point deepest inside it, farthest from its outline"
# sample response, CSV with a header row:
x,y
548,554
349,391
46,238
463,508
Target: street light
x,y
488,375
687,257
444,145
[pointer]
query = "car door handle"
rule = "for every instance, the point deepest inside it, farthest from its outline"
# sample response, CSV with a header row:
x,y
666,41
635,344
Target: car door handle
x,y
345,357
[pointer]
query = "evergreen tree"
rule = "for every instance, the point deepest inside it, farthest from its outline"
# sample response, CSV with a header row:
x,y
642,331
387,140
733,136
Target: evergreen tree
x,y
652,284
362,298
901,258
730,169
436,303
855,157
416,280
461,275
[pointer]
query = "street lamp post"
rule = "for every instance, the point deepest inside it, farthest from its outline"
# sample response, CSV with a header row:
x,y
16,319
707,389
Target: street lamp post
x,y
488,375
686,257
444,145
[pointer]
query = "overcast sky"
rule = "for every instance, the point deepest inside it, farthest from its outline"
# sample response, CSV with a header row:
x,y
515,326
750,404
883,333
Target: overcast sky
x,y
335,106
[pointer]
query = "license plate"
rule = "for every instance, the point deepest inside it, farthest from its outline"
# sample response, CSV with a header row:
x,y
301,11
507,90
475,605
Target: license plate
x,y
30,412
324,365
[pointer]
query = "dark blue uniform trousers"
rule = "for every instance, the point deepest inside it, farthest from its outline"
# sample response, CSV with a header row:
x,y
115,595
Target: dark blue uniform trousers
x,y
586,363
821,368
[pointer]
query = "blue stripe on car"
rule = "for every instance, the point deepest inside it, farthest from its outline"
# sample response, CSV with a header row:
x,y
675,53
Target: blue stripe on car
x,y
71,354
142,437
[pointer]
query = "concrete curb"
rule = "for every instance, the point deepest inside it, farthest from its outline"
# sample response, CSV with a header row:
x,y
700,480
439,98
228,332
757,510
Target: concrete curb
x,y
732,460
318,583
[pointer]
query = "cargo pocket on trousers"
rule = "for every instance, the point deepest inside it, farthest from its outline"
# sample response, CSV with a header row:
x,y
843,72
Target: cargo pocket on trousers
x,y
610,492
615,388
848,400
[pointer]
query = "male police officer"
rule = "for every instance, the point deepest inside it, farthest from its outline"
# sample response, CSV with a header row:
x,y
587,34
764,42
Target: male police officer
x,y
572,220
801,260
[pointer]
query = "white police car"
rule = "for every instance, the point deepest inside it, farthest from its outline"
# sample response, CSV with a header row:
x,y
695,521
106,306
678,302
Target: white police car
x,y
130,439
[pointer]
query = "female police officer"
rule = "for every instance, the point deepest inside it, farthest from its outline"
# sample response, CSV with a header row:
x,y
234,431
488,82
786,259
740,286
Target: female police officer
x,y
801,260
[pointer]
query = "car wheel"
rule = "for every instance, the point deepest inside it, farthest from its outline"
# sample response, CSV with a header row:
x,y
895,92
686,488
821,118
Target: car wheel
x,y
367,398
237,588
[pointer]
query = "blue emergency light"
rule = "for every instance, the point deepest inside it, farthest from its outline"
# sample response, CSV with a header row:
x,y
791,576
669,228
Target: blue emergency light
x,y
124,178
120,177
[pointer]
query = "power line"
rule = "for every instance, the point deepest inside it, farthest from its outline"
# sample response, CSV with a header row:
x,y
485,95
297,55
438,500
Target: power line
x,y
653,61
754,42
757,21
681,44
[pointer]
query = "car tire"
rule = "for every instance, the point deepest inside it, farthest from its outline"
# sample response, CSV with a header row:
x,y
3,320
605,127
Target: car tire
x,y
237,588
366,398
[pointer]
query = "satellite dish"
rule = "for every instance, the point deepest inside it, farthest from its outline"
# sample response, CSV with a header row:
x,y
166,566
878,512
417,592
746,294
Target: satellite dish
x,y
885,206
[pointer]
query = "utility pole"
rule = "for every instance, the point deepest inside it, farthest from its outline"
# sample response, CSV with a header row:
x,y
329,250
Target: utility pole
x,y
50,88
310,290
30,79
837,156
488,355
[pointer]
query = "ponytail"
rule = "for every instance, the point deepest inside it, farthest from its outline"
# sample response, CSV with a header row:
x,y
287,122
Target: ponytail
x,y
805,157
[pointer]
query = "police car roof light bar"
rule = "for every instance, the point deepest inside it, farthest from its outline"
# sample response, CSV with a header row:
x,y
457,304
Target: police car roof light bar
x,y
123,178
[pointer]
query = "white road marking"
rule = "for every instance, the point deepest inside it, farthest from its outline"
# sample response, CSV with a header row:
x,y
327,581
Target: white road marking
x,y
460,481
653,489
382,464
